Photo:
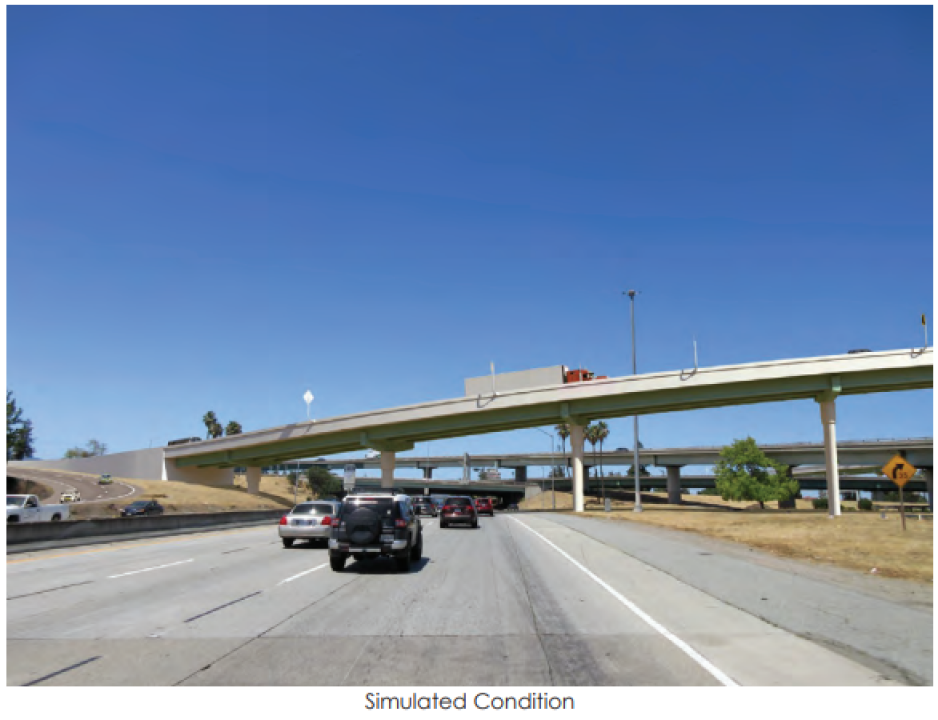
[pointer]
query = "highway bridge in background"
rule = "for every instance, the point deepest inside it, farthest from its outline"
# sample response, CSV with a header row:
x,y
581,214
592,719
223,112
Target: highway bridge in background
x,y
396,430
862,453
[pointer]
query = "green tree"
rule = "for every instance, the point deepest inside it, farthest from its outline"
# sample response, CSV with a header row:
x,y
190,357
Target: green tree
x,y
563,430
744,472
93,448
323,483
19,432
212,425
602,433
233,428
592,437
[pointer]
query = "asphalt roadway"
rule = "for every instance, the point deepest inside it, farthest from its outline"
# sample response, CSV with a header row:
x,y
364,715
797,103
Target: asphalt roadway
x,y
87,485
529,599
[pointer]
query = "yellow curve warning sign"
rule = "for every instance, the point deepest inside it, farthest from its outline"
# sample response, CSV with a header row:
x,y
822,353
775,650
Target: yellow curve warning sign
x,y
899,470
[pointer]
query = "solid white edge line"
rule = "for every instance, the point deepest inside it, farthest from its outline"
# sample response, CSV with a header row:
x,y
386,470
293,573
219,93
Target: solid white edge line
x,y
696,656
305,572
134,572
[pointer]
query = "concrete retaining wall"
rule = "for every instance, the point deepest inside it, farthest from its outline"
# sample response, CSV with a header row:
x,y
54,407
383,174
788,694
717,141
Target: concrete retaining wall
x,y
135,464
71,529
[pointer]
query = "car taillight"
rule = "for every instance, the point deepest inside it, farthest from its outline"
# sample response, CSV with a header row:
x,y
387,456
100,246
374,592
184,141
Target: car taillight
x,y
327,520
283,520
400,523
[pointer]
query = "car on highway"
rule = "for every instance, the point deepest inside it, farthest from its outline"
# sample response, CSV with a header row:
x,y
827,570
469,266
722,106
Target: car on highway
x,y
376,523
459,509
68,497
309,521
139,508
425,506
484,506
28,509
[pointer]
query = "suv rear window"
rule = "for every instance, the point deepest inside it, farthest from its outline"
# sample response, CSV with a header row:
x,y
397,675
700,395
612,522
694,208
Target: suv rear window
x,y
463,502
312,509
383,506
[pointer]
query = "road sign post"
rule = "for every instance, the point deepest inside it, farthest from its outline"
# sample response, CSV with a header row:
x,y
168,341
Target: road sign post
x,y
348,484
900,471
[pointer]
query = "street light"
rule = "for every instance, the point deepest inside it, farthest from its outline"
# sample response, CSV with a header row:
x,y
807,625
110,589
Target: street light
x,y
638,487
553,495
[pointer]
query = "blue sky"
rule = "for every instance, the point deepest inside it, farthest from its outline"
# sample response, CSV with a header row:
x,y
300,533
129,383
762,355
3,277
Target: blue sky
x,y
222,207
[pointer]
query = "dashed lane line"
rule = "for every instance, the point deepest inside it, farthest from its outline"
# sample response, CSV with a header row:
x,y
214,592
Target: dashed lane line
x,y
158,567
305,572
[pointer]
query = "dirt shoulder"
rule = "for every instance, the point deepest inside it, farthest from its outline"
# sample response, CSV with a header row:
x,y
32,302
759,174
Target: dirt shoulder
x,y
861,541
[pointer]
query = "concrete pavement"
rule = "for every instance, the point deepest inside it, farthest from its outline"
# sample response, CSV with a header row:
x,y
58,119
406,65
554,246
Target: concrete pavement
x,y
524,600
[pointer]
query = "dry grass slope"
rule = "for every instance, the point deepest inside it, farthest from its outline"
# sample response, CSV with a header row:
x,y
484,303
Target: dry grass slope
x,y
856,540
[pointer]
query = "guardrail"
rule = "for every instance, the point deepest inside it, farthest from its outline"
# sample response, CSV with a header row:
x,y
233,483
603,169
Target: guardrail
x,y
72,529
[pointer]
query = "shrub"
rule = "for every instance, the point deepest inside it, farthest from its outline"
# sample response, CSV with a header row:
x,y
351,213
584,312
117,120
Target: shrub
x,y
864,504
819,503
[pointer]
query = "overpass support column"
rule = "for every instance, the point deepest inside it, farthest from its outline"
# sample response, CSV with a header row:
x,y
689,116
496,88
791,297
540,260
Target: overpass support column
x,y
387,468
829,419
521,473
254,480
929,487
674,484
427,473
576,450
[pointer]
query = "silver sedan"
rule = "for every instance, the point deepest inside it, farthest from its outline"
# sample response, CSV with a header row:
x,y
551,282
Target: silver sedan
x,y
309,521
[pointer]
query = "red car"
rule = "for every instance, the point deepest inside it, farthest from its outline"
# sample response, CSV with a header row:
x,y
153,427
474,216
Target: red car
x,y
484,506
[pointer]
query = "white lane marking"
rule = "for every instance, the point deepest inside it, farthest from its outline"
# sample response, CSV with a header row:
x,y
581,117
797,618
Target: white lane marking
x,y
158,567
700,659
305,572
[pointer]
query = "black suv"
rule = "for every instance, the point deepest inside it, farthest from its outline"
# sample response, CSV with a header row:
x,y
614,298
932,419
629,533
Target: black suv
x,y
374,524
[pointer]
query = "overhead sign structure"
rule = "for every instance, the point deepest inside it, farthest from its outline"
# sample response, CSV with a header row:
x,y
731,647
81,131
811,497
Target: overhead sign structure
x,y
349,483
899,470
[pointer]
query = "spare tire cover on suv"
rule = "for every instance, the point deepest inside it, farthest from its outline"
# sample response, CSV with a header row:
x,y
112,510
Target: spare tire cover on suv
x,y
363,526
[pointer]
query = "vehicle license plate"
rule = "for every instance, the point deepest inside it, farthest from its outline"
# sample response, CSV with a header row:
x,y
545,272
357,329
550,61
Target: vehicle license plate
x,y
387,538
304,522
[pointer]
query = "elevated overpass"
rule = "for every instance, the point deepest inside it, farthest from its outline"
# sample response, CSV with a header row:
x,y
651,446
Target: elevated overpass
x,y
394,430
864,453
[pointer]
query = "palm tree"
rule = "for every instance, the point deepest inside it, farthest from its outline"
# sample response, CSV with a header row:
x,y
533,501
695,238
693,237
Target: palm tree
x,y
211,422
563,430
602,432
591,435
233,428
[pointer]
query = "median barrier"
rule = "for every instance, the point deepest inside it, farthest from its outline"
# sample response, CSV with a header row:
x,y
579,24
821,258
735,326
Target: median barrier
x,y
106,527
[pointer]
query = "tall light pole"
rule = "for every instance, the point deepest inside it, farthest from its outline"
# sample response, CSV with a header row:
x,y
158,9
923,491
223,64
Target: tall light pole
x,y
553,495
638,487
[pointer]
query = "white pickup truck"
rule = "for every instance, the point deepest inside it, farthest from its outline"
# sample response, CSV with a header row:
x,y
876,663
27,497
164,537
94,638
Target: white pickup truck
x,y
26,508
